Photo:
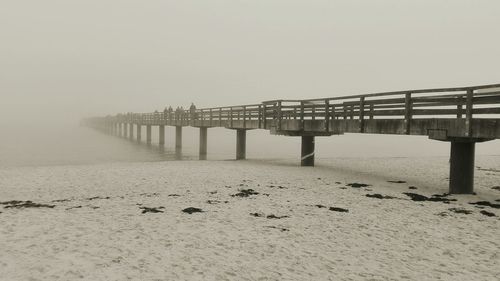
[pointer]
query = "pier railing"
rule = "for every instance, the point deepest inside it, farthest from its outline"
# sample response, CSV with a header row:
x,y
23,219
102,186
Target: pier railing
x,y
465,102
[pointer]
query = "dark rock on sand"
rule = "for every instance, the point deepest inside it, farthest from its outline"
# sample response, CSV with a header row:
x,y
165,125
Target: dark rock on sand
x,y
379,196
173,195
25,204
192,210
245,193
487,204
398,181
412,187
358,185
488,214
151,210
496,188
461,211
257,215
320,206
75,207
335,209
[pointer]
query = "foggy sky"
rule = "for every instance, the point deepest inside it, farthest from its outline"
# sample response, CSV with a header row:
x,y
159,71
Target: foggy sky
x,y
94,57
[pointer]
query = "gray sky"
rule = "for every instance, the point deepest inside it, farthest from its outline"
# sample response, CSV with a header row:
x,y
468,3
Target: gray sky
x,y
80,58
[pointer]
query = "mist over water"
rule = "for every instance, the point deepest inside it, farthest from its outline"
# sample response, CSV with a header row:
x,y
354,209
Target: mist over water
x,y
67,60
71,144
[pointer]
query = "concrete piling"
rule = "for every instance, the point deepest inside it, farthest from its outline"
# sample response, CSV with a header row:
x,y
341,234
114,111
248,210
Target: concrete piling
x,y
307,155
203,143
241,144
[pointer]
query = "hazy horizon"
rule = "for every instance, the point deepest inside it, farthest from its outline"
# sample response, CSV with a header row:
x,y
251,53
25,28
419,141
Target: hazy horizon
x,y
66,60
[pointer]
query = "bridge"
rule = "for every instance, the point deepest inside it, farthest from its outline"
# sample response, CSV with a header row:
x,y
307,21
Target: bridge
x,y
462,116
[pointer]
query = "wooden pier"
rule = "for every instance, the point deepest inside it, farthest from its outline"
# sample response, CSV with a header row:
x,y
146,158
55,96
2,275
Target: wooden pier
x,y
462,116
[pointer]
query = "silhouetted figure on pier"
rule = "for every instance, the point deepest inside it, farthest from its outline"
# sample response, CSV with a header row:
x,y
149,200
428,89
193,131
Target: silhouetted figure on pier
x,y
192,111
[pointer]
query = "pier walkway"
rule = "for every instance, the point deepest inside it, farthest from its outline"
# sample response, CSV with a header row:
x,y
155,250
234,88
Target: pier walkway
x,y
462,116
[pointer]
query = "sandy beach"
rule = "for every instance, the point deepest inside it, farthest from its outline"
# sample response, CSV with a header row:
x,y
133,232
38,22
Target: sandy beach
x,y
249,220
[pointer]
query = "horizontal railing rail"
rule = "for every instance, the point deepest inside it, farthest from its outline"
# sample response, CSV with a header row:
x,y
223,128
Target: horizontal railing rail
x,y
458,102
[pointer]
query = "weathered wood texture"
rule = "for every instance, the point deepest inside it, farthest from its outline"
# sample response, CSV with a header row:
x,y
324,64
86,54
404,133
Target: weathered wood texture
x,y
470,112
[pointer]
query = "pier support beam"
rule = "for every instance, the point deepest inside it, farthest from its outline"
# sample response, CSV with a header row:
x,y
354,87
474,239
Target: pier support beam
x,y
462,167
178,138
161,141
139,133
203,143
241,144
131,131
307,155
148,134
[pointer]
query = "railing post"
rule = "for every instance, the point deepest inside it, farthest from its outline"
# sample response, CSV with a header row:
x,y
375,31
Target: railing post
x,y
302,113
211,117
260,116
279,116
231,116
352,112
344,107
264,115
468,113
244,116
460,107
220,117
327,115
408,113
362,114
371,111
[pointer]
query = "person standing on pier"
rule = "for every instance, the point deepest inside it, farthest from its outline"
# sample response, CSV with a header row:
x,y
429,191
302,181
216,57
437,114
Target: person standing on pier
x,y
192,111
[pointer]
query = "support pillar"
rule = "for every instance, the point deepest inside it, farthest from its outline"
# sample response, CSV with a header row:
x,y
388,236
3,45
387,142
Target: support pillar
x,y
462,167
139,132
241,144
125,130
131,131
203,143
178,138
161,141
307,155
148,134
120,129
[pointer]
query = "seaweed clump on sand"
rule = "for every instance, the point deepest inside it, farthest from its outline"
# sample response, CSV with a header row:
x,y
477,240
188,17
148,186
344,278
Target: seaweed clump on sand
x,y
434,198
486,204
245,193
397,181
358,185
146,210
25,204
461,211
488,214
276,217
192,210
336,209
379,196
